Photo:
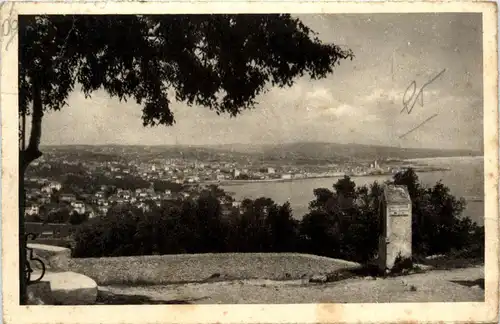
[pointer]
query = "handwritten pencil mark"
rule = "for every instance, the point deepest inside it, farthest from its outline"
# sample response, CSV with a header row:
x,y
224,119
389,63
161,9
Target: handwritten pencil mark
x,y
418,126
410,101
9,26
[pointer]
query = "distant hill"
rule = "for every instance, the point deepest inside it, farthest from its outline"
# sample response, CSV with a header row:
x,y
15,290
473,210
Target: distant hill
x,y
298,152
340,152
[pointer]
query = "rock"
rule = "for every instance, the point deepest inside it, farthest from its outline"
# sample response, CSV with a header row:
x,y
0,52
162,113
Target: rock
x,y
71,288
369,278
318,279
476,287
422,267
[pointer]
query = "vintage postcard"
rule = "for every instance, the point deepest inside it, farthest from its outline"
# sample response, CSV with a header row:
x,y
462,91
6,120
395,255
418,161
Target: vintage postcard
x,y
249,162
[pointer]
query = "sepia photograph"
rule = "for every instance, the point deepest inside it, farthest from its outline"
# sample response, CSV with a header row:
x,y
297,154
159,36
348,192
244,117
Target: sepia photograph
x,y
250,158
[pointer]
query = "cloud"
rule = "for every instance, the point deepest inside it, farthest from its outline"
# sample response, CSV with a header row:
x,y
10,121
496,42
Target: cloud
x,y
380,94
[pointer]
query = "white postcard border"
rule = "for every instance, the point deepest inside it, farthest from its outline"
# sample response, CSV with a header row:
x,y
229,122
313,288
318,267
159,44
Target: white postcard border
x,y
302,313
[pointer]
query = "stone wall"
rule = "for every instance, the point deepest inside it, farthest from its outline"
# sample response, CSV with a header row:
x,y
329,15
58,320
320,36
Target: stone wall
x,y
164,269
199,267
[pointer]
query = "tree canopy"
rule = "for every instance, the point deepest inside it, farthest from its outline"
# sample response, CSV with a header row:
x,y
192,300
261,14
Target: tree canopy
x,y
221,62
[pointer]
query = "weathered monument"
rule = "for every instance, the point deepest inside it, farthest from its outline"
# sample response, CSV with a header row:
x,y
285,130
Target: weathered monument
x,y
395,226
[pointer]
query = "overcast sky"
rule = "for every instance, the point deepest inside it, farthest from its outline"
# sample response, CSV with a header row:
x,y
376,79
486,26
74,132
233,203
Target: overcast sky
x,y
359,103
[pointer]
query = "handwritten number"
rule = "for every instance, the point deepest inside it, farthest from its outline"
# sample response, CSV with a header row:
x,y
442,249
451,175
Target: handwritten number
x,y
9,26
410,99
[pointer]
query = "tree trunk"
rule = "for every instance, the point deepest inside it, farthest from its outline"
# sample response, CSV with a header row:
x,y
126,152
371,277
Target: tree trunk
x,y
22,242
26,156
32,152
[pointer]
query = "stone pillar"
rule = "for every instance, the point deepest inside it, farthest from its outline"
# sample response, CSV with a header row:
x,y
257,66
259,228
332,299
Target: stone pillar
x,y
395,234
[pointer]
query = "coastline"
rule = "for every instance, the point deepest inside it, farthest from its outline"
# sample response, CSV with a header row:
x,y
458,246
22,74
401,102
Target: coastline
x,y
422,169
445,157
418,168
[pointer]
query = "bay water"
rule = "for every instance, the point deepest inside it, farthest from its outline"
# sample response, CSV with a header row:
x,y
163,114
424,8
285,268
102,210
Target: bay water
x,y
465,179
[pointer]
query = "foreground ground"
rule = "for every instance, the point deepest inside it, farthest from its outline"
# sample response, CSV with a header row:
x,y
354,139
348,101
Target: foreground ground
x,y
457,285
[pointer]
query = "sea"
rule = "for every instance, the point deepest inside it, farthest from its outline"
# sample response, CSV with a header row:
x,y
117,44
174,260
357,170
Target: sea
x,y
465,178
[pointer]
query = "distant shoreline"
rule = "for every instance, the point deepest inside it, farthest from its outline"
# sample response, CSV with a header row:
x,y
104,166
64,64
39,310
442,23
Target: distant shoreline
x,y
241,182
238,182
445,157
419,169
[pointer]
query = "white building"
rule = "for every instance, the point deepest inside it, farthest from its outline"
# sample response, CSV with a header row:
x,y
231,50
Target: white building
x,y
99,195
31,210
67,198
53,185
78,206
46,189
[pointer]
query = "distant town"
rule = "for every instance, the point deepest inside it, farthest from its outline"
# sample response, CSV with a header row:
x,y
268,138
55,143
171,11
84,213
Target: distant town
x,y
89,183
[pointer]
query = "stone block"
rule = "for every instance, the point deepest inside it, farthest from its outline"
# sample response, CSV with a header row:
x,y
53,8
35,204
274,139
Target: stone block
x,y
54,257
71,288
318,278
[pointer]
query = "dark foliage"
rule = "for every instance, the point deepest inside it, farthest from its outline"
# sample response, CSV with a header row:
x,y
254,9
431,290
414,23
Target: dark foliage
x,y
77,219
401,265
160,185
191,54
342,223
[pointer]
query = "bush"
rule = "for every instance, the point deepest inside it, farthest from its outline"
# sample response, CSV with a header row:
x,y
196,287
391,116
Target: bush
x,y
343,224
401,264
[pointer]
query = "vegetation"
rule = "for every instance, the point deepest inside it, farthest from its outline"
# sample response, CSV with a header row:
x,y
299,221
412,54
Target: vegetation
x,y
341,223
58,214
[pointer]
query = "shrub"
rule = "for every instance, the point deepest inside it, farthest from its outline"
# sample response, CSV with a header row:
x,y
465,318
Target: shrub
x,y
401,264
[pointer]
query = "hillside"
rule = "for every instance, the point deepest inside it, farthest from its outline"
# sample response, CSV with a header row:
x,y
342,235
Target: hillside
x,y
291,152
354,152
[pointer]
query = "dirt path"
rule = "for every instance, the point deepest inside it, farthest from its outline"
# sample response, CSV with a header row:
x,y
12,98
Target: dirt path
x,y
434,286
